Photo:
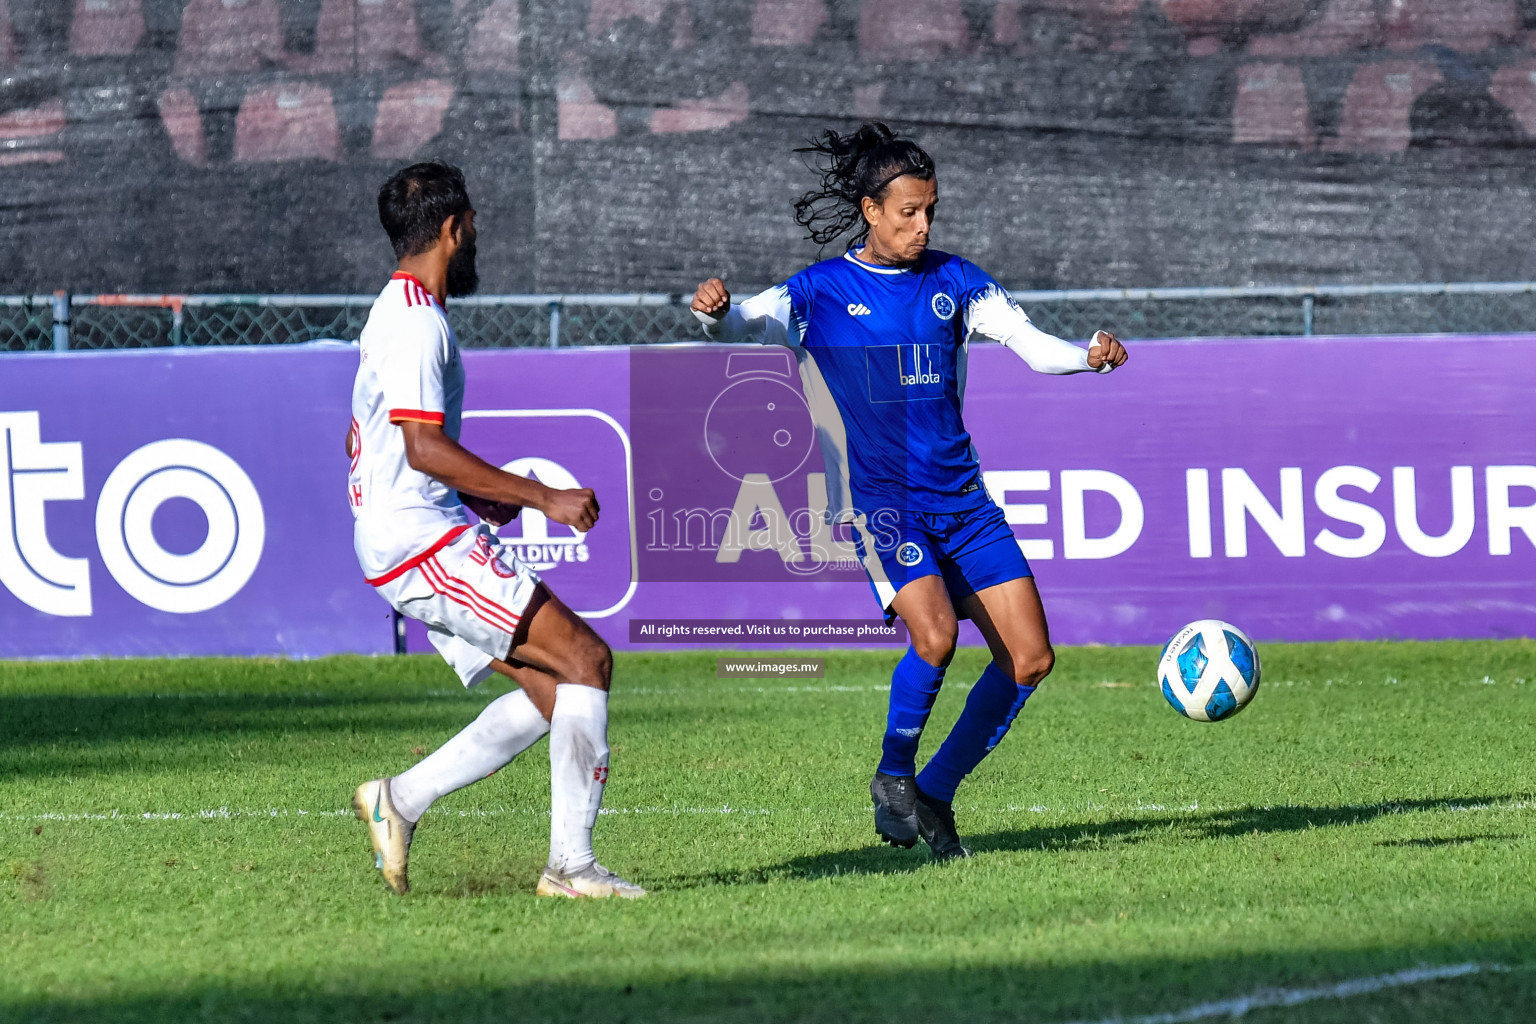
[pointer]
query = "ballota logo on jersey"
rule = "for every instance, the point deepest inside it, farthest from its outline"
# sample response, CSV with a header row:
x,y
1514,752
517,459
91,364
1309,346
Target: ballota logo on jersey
x,y
917,364
540,549
905,373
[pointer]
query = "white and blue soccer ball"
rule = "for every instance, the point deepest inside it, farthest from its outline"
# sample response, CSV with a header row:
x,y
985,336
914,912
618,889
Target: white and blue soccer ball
x,y
1209,671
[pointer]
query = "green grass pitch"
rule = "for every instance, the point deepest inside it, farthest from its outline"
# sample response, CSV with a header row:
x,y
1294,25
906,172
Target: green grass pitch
x,y
174,846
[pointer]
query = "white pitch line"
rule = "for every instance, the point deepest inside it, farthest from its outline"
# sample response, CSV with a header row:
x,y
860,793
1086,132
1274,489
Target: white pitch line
x,y
957,684
644,691
706,691
225,813
1265,998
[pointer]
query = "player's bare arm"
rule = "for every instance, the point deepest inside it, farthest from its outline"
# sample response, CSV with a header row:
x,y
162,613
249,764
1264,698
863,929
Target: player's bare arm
x,y
497,513
439,456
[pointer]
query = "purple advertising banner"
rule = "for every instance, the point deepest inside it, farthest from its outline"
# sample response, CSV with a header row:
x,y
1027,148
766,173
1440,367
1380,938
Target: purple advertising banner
x,y
193,502
180,502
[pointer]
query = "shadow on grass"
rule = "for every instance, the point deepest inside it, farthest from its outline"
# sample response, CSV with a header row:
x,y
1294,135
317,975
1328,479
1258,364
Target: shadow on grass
x,y
1096,835
846,994
66,726
1433,841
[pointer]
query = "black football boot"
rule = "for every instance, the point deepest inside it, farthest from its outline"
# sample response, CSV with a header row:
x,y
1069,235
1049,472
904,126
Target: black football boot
x,y
895,815
936,824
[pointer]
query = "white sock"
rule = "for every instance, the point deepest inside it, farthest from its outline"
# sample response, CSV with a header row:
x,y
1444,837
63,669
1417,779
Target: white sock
x,y
578,770
509,725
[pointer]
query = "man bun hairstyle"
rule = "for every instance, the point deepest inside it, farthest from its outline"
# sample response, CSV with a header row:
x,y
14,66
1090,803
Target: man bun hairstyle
x,y
862,163
416,200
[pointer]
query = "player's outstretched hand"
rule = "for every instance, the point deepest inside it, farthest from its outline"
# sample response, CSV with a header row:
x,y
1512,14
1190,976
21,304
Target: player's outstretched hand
x,y
497,513
575,507
1105,348
712,299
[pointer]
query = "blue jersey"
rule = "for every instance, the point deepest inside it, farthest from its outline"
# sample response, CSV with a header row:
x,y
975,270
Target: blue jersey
x,y
882,354
889,344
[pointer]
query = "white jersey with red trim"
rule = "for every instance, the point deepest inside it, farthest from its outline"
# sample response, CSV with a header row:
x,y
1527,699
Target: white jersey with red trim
x,y
409,370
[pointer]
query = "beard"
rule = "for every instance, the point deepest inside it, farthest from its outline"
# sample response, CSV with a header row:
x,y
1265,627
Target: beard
x,y
463,278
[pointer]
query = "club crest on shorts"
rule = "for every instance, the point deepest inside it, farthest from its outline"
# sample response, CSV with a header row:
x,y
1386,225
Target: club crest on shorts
x,y
943,306
909,554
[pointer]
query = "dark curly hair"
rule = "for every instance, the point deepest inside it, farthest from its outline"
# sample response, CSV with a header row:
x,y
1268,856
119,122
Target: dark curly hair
x,y
862,163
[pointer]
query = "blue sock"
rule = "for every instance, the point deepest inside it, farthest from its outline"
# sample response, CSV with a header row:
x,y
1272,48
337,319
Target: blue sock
x,y
914,686
994,702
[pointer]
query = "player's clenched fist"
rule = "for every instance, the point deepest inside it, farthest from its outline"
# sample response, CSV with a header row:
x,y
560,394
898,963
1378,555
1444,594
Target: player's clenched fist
x,y
1105,348
712,299
575,507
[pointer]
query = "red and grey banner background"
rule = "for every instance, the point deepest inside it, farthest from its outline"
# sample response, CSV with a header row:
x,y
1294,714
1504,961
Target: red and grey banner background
x,y
608,142
193,502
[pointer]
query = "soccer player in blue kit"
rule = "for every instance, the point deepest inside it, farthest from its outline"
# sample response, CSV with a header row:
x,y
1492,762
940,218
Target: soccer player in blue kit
x,y
880,334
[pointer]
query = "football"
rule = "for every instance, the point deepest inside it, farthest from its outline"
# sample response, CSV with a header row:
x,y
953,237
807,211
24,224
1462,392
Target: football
x,y
1209,671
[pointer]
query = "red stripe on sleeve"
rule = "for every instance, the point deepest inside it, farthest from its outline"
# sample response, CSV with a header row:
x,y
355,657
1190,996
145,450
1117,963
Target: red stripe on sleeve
x,y
415,416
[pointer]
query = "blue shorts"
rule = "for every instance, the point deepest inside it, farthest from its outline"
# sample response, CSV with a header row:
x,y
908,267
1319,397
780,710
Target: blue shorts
x,y
971,550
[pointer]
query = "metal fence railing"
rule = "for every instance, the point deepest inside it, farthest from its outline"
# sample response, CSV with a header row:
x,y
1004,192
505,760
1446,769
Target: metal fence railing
x,y
1259,311
481,321
60,321
27,322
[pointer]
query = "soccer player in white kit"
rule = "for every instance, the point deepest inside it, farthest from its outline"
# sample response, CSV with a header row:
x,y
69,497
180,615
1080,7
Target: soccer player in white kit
x,y
485,611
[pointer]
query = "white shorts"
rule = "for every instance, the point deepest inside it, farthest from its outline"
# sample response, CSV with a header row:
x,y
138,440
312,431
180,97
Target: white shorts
x,y
471,595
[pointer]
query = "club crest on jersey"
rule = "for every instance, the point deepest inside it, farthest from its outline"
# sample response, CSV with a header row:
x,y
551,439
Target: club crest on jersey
x,y
909,554
943,306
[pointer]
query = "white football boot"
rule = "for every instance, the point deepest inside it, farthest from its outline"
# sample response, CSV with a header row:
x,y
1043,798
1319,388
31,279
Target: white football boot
x,y
389,832
592,882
